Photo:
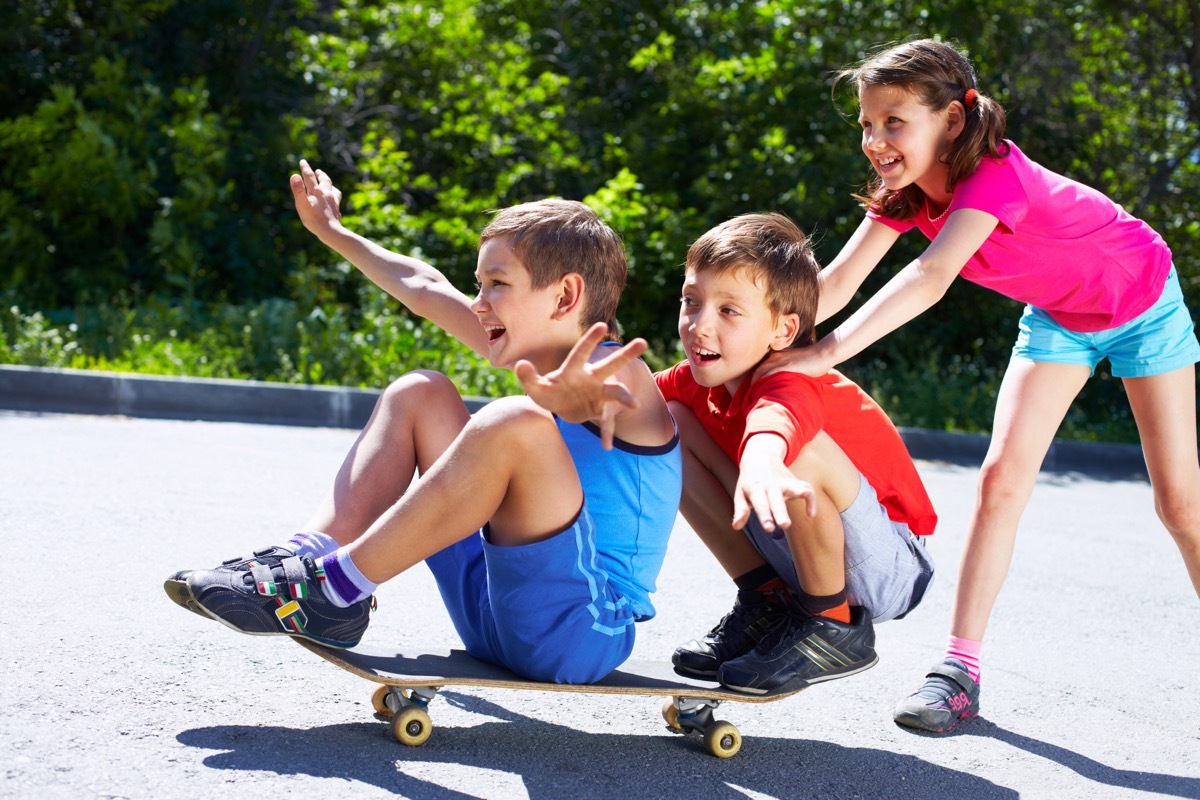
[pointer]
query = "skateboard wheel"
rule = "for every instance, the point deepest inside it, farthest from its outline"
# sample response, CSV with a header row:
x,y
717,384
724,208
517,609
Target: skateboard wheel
x,y
412,726
670,714
379,702
723,739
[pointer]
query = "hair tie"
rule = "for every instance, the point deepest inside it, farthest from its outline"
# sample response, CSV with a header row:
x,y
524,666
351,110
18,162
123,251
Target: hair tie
x,y
969,98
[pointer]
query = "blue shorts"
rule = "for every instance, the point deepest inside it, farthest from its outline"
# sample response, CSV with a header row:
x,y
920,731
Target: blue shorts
x,y
1159,340
546,610
887,566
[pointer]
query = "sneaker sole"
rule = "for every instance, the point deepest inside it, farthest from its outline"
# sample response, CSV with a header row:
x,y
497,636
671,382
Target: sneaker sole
x,y
916,721
181,594
696,673
796,684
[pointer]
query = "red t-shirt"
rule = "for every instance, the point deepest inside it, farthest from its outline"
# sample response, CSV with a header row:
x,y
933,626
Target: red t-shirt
x,y
796,407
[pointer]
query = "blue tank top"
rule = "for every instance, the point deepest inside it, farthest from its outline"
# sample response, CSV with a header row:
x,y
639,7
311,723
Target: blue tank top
x,y
632,494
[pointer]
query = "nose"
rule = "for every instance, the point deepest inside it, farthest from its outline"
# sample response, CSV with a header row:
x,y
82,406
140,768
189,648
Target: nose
x,y
700,320
479,305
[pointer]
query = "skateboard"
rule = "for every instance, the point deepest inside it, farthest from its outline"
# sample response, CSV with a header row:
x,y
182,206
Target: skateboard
x,y
407,684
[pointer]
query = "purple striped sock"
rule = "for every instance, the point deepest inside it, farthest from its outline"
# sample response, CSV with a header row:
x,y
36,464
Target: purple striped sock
x,y
344,584
312,543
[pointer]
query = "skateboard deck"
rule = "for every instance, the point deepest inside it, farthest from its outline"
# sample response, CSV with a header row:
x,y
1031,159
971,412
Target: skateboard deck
x,y
407,683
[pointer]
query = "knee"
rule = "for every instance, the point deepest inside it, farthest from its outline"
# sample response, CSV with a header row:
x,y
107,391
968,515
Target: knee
x,y
515,419
418,390
1179,512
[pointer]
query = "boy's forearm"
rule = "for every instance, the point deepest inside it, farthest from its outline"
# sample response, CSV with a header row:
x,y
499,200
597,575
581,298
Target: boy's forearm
x,y
763,449
422,288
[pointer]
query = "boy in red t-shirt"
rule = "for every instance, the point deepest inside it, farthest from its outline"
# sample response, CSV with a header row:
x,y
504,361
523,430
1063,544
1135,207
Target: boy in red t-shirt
x,y
801,487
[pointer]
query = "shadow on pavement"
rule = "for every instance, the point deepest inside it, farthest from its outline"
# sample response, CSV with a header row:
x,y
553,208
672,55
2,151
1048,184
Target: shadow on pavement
x,y
1170,785
554,761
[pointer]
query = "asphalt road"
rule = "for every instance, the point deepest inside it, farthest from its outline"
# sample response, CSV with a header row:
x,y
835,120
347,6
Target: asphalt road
x,y
107,689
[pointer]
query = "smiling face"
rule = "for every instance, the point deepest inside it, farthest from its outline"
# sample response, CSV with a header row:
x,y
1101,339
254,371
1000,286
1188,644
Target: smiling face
x,y
726,326
905,139
521,322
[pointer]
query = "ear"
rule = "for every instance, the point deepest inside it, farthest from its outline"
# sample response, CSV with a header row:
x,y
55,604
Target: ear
x,y
569,295
786,328
956,120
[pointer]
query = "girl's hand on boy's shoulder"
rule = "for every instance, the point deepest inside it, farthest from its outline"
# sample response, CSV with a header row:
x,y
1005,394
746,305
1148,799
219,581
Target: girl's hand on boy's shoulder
x,y
582,390
804,360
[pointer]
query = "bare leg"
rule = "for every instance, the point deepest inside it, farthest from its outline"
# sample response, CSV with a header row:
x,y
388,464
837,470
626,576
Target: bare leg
x,y
1034,398
1165,409
414,421
709,477
818,544
509,468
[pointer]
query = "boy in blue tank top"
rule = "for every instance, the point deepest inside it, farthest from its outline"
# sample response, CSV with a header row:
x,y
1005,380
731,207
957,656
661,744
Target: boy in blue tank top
x,y
545,533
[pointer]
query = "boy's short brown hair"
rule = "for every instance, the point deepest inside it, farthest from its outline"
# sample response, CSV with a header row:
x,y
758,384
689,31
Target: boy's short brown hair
x,y
556,237
777,255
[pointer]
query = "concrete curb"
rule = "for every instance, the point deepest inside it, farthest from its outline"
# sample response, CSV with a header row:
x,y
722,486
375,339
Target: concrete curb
x,y
70,391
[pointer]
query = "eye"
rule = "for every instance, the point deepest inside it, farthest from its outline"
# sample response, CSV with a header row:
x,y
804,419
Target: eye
x,y
687,302
730,312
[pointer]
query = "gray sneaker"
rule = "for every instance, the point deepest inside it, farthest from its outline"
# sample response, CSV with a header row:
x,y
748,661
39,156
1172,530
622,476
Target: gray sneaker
x,y
948,695
808,650
278,595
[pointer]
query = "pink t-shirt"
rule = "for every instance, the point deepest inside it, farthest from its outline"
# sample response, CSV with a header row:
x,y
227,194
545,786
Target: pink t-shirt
x,y
1060,246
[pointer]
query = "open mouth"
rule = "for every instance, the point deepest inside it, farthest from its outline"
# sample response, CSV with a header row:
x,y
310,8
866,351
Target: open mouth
x,y
494,332
704,357
887,163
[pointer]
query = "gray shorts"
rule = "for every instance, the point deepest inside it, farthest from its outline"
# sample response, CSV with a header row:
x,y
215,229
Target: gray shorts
x,y
887,566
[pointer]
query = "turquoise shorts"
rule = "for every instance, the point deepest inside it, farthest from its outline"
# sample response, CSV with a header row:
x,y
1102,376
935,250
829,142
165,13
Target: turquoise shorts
x,y
1160,340
545,610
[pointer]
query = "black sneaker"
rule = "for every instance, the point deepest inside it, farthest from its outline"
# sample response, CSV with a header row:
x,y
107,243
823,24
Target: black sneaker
x,y
278,596
754,615
176,585
948,695
809,650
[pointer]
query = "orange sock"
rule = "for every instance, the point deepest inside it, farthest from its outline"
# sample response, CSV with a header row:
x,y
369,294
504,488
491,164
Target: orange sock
x,y
839,613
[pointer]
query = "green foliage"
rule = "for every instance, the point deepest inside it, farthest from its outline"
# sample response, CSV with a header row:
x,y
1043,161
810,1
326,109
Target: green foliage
x,y
145,144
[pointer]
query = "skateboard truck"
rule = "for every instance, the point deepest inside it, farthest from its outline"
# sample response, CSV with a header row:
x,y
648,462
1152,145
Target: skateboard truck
x,y
695,714
405,709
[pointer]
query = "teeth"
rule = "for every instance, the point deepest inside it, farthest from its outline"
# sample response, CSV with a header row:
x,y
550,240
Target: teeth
x,y
885,162
700,351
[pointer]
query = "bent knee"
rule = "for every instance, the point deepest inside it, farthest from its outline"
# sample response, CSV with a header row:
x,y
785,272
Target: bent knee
x,y
419,386
514,417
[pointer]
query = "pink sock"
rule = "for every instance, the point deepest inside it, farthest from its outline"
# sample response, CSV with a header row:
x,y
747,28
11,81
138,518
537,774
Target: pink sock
x,y
967,651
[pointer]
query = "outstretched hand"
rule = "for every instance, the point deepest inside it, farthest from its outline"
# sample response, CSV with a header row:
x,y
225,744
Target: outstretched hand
x,y
581,390
316,199
765,486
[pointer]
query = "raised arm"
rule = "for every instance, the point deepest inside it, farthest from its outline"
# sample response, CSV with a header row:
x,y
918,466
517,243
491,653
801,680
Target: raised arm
x,y
907,295
420,287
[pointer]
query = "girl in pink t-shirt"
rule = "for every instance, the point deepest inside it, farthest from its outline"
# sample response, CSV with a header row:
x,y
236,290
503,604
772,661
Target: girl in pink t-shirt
x,y
1098,283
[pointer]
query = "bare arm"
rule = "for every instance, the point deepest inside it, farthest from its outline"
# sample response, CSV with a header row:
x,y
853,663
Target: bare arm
x,y
420,287
910,293
841,279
